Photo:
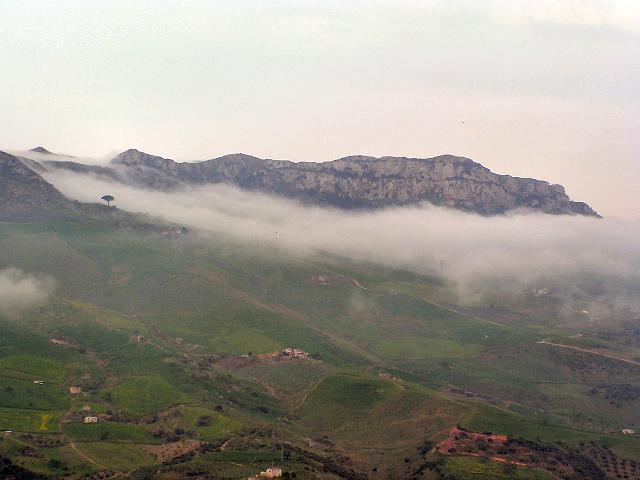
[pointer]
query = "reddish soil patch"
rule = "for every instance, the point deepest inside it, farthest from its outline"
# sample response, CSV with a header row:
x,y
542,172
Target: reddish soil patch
x,y
488,357
584,464
458,439
268,356
232,363
169,451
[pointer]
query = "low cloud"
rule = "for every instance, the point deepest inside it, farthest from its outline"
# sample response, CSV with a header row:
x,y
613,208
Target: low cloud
x,y
621,14
59,157
521,247
19,290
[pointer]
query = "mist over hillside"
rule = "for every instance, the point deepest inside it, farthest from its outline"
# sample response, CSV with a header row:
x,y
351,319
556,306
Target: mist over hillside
x,y
19,290
454,316
355,182
320,240
216,321
467,248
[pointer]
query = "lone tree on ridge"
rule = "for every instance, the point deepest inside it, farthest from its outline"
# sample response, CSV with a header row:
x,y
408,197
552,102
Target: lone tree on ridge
x,y
108,199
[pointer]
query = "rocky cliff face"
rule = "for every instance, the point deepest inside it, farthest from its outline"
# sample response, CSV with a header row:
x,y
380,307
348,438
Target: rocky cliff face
x,y
351,182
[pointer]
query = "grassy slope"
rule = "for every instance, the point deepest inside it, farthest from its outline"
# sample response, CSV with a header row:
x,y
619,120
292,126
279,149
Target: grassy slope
x,y
189,297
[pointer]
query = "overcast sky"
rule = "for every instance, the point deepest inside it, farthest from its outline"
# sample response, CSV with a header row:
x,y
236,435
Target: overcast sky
x,y
545,89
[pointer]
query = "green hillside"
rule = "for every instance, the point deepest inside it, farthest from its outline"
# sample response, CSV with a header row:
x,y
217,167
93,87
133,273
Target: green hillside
x,y
174,342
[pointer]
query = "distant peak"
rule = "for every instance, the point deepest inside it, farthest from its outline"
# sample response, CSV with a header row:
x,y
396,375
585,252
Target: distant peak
x,y
41,150
237,156
134,157
130,156
132,151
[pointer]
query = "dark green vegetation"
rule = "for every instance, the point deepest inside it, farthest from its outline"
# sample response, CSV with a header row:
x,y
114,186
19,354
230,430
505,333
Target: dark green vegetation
x,y
167,335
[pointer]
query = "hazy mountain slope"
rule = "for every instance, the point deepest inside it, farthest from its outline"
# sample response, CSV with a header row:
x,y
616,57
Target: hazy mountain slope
x,y
350,182
25,195
41,150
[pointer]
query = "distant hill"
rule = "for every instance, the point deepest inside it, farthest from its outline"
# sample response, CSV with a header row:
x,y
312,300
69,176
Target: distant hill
x,y
354,182
41,150
25,195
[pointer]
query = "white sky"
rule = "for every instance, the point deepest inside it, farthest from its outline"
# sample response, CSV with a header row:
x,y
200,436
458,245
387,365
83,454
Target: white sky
x,y
546,89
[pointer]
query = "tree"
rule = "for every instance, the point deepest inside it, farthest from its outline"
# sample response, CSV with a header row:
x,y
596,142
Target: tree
x,y
108,199
205,421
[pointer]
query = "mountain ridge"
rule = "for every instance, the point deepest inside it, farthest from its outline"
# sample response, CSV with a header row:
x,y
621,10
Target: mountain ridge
x,y
352,182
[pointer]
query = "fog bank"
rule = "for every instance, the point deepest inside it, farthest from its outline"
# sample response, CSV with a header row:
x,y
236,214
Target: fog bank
x,y
19,290
525,247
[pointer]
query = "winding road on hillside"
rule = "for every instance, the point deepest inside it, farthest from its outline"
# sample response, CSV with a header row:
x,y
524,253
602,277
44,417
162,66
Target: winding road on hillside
x,y
75,448
468,315
443,307
216,278
458,312
453,310
341,275
592,352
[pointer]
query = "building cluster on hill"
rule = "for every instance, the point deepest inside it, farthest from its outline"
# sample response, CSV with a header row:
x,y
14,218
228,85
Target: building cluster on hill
x,y
272,472
295,353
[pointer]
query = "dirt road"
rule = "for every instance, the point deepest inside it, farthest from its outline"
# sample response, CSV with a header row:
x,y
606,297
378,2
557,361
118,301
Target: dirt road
x,y
592,352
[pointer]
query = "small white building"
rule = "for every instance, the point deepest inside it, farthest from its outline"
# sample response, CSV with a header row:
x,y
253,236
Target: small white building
x,y
90,419
628,431
75,390
272,472
39,382
295,353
